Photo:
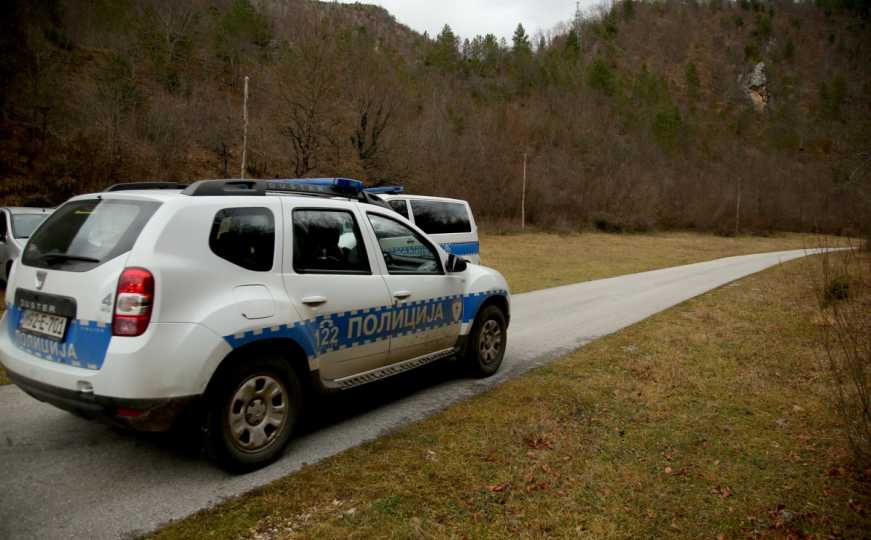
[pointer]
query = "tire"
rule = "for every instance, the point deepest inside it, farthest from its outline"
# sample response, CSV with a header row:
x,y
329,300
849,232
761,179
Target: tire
x,y
487,341
252,411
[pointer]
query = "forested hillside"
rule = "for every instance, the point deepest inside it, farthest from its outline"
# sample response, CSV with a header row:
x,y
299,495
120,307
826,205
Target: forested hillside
x,y
710,115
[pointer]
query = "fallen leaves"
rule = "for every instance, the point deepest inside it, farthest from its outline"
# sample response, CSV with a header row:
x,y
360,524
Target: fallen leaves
x,y
499,488
538,442
722,491
837,471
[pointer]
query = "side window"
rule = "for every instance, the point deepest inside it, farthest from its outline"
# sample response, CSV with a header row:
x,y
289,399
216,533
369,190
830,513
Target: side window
x,y
400,207
328,242
2,226
404,251
245,237
439,217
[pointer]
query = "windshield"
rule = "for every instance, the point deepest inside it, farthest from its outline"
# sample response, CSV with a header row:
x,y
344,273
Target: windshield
x,y
83,234
23,225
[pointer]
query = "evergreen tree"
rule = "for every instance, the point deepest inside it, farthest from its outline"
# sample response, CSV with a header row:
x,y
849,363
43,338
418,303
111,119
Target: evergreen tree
x,y
445,52
522,46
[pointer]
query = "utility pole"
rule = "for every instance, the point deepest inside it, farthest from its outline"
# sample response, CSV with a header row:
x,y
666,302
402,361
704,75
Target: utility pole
x,y
738,209
244,129
523,197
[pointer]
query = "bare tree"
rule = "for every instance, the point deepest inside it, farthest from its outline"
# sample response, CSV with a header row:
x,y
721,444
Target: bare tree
x,y
308,88
374,110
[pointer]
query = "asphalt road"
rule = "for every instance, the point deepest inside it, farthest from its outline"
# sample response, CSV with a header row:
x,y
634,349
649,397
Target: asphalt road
x,y
63,477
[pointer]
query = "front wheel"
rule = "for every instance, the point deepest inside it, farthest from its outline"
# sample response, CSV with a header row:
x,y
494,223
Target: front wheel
x,y
487,342
252,412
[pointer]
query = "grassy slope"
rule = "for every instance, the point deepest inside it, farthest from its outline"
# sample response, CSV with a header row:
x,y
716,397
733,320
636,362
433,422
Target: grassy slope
x,y
539,260
708,419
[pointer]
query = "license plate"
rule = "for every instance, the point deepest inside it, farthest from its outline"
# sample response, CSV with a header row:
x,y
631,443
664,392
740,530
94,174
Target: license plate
x,y
37,322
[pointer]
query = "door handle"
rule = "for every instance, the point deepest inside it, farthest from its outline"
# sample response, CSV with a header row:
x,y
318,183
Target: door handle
x,y
314,300
401,295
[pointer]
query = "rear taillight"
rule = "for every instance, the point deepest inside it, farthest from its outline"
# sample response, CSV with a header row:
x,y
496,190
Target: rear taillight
x,y
133,302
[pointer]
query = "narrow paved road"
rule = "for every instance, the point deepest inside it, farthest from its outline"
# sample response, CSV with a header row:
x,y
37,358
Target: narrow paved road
x,y
62,477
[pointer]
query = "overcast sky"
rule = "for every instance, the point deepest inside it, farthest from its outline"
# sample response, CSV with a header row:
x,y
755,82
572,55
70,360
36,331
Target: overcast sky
x,y
469,18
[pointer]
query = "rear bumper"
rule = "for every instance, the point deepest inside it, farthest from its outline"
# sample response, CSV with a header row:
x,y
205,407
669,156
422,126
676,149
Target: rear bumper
x,y
138,414
171,360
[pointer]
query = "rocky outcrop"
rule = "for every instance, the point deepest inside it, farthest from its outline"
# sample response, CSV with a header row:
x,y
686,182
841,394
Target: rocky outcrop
x,y
755,86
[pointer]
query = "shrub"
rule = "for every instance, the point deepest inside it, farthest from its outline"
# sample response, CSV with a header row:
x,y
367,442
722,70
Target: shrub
x,y
667,127
844,288
725,230
601,77
751,52
838,288
789,50
763,27
832,96
693,83
612,223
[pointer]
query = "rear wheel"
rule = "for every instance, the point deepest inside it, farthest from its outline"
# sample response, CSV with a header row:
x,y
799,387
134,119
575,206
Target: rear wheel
x,y
253,409
487,342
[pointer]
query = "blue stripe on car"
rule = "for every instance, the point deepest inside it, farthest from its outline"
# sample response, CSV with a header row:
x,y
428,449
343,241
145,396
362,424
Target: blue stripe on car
x,y
329,333
86,342
84,345
461,249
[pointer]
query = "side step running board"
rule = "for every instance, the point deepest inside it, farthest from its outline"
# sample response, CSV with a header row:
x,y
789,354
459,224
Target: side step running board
x,y
389,371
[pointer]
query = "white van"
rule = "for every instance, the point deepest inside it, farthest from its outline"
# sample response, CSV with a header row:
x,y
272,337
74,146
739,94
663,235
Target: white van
x,y
448,221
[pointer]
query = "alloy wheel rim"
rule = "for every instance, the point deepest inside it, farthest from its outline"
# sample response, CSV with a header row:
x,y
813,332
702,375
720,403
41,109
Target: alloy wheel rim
x,y
490,342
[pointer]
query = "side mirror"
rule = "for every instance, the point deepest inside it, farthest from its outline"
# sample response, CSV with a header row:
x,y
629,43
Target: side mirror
x,y
456,264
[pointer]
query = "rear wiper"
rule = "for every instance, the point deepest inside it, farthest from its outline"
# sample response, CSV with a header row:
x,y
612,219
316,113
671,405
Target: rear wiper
x,y
67,257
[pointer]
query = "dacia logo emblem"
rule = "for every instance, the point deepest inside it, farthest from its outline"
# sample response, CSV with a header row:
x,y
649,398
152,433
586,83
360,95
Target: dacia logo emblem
x,y
40,279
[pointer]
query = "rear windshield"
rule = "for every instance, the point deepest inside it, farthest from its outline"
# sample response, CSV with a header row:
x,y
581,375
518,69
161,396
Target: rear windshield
x,y
81,235
23,225
438,217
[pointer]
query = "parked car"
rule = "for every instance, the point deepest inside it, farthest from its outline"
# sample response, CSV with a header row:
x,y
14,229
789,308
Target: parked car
x,y
234,300
447,221
16,226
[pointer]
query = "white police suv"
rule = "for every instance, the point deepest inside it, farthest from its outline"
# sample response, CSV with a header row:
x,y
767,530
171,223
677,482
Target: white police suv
x,y
234,299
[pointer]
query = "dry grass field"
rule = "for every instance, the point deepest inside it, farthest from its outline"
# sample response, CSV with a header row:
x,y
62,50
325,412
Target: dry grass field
x,y
533,261
709,420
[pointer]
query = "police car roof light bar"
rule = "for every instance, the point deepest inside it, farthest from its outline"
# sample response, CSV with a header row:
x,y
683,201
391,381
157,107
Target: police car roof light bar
x,y
385,190
344,187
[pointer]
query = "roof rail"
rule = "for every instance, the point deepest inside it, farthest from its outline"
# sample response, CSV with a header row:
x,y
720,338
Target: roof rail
x,y
206,188
385,190
318,187
130,186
